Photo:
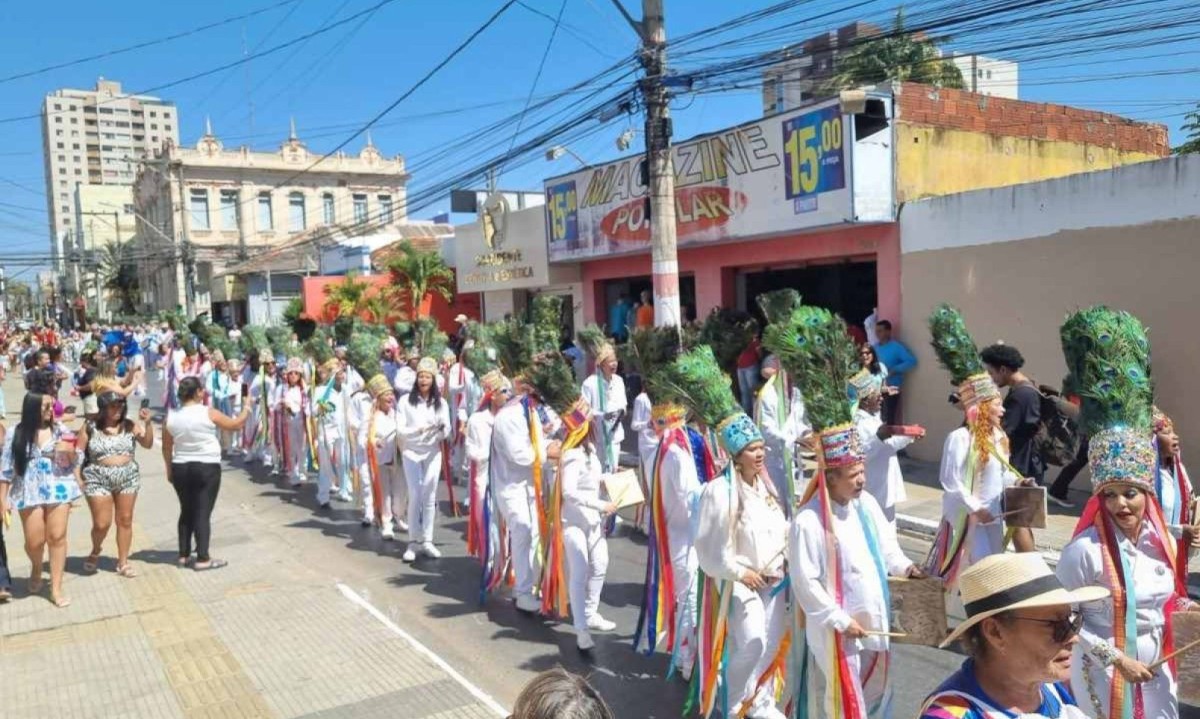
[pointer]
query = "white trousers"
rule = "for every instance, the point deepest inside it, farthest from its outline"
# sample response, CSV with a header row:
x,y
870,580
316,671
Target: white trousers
x,y
684,565
296,448
395,492
333,465
516,504
422,476
757,624
586,553
265,452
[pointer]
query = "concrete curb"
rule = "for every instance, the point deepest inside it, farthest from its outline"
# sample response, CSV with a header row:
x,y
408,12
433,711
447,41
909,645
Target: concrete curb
x,y
926,529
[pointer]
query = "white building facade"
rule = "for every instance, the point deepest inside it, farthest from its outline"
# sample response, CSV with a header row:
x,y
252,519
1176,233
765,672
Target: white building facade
x,y
205,208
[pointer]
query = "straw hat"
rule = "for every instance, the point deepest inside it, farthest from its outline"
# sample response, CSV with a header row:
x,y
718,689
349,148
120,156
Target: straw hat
x,y
460,319
265,356
294,365
1020,580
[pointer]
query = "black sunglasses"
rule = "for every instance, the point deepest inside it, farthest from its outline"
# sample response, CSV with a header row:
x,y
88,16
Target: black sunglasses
x,y
1063,629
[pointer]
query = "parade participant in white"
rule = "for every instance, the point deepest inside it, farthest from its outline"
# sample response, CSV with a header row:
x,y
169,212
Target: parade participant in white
x,y
647,443
879,445
292,399
782,426
1122,543
231,440
328,406
424,420
463,394
262,392
382,424
604,392
497,390
517,444
583,514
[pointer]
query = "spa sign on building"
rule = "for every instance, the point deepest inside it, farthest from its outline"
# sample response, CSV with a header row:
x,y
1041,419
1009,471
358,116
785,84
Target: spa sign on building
x,y
504,250
780,174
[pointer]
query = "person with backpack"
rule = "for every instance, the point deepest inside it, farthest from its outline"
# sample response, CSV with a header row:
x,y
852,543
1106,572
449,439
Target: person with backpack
x,y
1022,408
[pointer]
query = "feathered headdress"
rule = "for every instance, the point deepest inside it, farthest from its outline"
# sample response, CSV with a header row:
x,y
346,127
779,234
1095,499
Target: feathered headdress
x,y
253,340
1108,355
728,332
363,354
214,337
279,338
815,349
697,381
778,305
595,343
319,347
956,351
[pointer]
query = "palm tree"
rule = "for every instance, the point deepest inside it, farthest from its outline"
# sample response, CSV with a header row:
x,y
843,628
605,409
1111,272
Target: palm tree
x,y
1191,125
119,275
898,56
417,274
348,298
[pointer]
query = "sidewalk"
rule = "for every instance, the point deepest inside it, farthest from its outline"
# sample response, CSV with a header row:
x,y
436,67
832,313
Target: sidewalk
x,y
267,636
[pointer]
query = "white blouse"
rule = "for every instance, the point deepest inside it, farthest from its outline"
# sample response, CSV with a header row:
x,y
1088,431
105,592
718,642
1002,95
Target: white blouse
x,y
741,527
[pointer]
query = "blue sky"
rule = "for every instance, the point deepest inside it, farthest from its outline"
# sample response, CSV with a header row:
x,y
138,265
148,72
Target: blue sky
x,y
348,74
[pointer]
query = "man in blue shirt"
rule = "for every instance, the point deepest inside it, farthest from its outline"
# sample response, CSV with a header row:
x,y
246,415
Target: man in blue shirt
x,y
618,318
898,360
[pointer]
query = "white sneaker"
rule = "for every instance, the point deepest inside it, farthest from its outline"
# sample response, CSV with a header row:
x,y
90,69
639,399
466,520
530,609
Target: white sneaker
x,y
431,551
388,533
585,642
685,669
600,624
526,603
410,554
345,498
766,712
401,525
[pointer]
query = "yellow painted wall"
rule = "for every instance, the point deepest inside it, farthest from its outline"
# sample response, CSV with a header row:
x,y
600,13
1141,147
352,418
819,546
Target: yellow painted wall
x,y
934,161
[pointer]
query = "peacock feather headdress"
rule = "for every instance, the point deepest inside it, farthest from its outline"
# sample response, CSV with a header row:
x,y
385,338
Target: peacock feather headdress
x,y
728,331
696,379
1108,355
319,346
778,305
363,354
280,340
956,351
595,343
815,349
254,340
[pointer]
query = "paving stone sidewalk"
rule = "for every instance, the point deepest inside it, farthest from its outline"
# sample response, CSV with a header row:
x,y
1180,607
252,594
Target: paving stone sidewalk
x,y
267,636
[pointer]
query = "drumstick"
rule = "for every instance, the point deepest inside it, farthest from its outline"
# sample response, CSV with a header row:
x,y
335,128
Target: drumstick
x,y
877,633
772,560
1186,648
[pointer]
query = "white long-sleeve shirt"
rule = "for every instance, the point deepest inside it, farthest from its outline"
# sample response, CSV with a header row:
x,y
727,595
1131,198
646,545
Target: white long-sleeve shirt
x,y
406,377
741,527
386,435
614,401
990,485
1171,501
641,423
512,460
331,422
478,444
1081,564
681,490
862,590
581,488
459,390
884,480
423,427
780,432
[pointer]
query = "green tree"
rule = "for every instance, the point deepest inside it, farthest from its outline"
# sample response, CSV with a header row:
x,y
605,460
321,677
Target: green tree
x,y
899,56
20,299
348,298
1191,125
119,275
417,274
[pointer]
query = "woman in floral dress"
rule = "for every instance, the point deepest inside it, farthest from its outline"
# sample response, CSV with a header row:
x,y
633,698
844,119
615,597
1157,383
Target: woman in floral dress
x,y
41,471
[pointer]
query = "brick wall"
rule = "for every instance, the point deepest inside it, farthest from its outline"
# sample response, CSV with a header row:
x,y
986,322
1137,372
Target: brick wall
x,y
968,111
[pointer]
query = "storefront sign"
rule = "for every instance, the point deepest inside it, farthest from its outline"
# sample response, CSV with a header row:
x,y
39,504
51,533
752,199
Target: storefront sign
x,y
505,250
780,174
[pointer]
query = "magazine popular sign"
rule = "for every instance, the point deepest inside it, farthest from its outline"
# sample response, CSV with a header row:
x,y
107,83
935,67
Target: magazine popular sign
x,y
779,174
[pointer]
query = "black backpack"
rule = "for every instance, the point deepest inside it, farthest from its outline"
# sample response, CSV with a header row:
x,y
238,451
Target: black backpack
x,y
1057,438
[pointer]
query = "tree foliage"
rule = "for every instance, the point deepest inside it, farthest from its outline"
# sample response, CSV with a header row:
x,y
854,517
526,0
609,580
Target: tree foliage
x,y
119,275
1191,125
417,274
896,56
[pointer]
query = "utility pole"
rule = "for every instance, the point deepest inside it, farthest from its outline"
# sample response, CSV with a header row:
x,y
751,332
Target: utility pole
x,y
660,177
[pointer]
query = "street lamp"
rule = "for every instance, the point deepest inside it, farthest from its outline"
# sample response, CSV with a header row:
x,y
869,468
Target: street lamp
x,y
556,152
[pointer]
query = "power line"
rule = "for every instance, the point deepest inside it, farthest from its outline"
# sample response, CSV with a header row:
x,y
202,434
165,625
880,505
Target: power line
x,y
226,66
537,76
146,44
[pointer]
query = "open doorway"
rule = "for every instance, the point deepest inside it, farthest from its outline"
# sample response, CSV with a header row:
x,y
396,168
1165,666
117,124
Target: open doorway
x,y
631,289
849,288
